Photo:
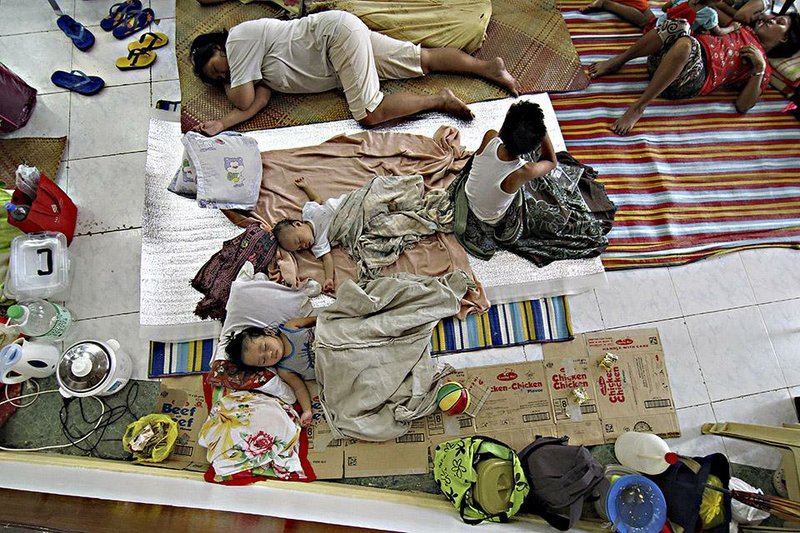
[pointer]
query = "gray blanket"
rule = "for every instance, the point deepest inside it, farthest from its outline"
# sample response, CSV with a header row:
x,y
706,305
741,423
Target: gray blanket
x,y
372,347
376,222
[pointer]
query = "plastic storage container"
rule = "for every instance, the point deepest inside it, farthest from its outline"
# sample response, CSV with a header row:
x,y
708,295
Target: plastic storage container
x,y
38,266
645,452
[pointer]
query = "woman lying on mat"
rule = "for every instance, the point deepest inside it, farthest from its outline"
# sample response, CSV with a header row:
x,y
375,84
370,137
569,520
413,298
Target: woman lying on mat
x,y
325,51
683,66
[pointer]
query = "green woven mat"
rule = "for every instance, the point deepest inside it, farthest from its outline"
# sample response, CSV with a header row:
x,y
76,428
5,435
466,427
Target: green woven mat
x,y
43,153
530,35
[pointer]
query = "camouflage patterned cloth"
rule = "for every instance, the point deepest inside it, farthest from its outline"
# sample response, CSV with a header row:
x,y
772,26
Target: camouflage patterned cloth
x,y
376,222
562,215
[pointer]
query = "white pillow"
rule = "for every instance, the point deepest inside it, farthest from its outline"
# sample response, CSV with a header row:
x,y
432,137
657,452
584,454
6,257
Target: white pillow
x,y
184,182
227,169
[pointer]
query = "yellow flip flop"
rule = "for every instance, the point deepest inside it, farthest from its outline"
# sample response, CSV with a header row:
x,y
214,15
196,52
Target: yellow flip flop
x,y
149,41
138,58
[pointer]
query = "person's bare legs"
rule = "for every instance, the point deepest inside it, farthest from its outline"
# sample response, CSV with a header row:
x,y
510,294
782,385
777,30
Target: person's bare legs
x,y
667,71
455,60
405,104
627,13
648,44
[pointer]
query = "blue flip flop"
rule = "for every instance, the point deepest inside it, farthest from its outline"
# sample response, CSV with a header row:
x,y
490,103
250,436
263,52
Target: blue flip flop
x,y
118,12
135,21
77,81
81,37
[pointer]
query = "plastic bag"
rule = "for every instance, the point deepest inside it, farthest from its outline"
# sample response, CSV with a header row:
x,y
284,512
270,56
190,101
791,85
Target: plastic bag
x,y
155,448
744,514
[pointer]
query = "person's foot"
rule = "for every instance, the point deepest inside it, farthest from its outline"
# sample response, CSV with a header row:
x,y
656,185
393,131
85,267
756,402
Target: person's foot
x,y
625,123
603,68
497,72
597,5
452,105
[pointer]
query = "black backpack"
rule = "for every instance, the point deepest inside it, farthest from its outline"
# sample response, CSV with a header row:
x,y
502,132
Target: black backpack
x,y
561,478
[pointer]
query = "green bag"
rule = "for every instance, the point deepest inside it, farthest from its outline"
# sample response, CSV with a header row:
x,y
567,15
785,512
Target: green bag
x,y
455,470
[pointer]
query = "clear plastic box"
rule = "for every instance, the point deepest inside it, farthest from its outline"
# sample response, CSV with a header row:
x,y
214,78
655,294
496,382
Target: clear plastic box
x,y
38,266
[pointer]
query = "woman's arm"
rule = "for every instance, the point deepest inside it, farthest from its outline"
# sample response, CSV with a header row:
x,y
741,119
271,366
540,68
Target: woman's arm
x,y
256,101
297,323
752,90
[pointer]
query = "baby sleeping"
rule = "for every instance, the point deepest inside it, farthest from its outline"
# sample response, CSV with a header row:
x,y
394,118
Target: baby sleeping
x,y
286,347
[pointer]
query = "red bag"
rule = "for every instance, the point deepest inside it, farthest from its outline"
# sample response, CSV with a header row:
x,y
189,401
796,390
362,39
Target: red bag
x,y
17,100
51,210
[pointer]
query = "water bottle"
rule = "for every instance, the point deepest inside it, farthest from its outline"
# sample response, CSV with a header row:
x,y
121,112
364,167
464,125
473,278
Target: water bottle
x,y
18,212
40,318
27,180
645,452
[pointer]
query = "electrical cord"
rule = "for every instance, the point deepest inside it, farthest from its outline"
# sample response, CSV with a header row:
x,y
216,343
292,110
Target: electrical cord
x,y
11,400
100,425
55,446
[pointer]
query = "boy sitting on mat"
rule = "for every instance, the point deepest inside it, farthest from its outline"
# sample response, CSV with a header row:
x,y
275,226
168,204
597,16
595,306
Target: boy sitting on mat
x,y
311,233
505,162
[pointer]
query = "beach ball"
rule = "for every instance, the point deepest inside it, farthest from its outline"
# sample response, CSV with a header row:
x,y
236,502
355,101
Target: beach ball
x,y
452,398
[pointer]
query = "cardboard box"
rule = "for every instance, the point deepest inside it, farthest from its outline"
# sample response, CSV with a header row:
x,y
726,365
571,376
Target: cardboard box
x,y
634,394
182,399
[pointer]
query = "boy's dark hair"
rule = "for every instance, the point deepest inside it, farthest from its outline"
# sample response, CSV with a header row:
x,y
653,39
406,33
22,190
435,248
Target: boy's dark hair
x,y
235,344
283,225
202,50
523,129
792,43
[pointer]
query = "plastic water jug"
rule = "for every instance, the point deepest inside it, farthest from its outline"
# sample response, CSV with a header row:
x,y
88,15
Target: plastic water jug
x,y
645,452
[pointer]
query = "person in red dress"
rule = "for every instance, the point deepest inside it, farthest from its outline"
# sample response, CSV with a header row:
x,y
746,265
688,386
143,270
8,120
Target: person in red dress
x,y
682,66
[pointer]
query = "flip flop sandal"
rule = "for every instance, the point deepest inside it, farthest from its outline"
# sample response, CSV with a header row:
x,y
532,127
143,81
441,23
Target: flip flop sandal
x,y
77,81
81,37
118,12
136,59
149,41
136,21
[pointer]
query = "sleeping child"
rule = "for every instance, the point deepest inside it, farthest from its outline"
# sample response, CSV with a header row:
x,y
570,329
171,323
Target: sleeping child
x,y
286,347
699,13
502,164
312,232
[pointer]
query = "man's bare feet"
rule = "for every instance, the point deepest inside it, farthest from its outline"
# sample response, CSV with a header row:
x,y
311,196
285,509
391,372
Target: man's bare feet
x,y
625,123
497,72
597,5
452,105
603,68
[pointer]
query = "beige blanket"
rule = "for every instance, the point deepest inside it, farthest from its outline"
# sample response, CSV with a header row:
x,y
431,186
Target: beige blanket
x,y
345,163
431,23
372,347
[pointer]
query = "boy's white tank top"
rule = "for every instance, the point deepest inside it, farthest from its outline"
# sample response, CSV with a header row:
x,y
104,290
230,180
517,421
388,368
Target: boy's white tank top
x,y
486,199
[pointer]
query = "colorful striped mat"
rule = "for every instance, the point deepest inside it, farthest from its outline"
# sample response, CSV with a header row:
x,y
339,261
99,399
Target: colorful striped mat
x,y
532,321
694,178
180,358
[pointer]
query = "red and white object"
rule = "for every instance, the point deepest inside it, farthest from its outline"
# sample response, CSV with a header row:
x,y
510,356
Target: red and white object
x,y
644,452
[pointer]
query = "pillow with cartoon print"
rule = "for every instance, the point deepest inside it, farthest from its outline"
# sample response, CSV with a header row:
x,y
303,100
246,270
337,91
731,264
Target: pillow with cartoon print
x,y
184,182
227,169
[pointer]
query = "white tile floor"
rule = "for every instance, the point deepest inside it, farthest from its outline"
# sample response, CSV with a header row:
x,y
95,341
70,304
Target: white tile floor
x,y
730,325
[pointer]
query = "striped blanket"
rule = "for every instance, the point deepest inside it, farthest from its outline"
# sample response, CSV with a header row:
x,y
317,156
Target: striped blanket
x,y
694,178
531,321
